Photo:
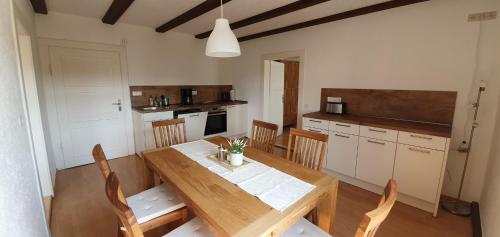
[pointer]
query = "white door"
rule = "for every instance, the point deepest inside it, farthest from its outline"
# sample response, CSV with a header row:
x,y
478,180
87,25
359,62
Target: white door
x,y
195,125
276,93
88,88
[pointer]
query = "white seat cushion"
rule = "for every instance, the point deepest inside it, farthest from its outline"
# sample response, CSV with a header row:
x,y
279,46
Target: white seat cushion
x,y
304,228
153,203
192,228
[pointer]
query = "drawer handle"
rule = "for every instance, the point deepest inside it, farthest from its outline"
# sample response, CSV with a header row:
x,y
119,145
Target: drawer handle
x,y
421,137
338,135
194,115
343,125
374,142
419,150
376,130
314,121
312,130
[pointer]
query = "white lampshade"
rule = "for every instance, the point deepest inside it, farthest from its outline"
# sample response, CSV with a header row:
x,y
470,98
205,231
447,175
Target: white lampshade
x,y
222,42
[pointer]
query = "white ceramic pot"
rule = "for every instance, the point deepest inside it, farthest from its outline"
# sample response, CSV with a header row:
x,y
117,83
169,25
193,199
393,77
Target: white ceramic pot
x,y
236,159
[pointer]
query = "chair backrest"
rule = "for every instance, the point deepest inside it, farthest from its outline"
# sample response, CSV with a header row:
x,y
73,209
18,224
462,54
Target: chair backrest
x,y
373,219
102,163
169,132
309,148
263,135
120,207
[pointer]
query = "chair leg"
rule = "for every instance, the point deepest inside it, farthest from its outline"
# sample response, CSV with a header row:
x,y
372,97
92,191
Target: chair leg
x,y
315,216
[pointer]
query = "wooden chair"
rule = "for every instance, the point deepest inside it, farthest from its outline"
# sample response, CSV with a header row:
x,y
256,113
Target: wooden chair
x,y
127,218
309,148
169,132
368,226
154,207
263,136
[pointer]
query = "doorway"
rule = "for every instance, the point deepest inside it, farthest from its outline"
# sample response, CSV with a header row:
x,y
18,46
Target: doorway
x,y
281,106
90,96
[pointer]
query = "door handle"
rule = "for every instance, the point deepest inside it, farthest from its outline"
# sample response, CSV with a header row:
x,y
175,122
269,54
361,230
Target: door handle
x,y
119,104
342,136
374,142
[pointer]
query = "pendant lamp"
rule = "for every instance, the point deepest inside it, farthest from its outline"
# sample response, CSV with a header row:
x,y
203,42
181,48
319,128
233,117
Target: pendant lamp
x,y
222,42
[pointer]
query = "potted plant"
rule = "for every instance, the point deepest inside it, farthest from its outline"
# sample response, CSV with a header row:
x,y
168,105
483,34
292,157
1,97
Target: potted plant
x,y
235,150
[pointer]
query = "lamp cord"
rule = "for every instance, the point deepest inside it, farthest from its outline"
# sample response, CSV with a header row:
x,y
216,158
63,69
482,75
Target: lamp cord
x,y
221,10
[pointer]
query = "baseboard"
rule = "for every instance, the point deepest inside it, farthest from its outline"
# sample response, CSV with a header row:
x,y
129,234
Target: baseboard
x,y
47,203
476,220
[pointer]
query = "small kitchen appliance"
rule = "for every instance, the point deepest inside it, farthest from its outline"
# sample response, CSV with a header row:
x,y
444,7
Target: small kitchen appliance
x,y
334,105
187,96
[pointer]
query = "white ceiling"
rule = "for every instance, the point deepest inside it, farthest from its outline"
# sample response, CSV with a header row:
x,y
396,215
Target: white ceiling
x,y
153,13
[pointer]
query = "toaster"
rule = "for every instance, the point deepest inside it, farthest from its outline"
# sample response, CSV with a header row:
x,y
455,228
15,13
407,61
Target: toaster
x,y
334,105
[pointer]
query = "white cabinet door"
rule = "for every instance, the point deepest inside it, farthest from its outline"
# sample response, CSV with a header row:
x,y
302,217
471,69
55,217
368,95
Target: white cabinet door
x,y
342,152
375,160
417,171
237,120
195,125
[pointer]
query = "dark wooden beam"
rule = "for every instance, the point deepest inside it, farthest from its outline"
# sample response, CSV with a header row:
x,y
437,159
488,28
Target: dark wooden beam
x,y
194,12
116,10
295,6
336,17
39,6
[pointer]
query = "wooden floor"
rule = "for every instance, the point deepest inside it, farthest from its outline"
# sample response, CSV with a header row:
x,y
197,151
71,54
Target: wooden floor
x,y
80,207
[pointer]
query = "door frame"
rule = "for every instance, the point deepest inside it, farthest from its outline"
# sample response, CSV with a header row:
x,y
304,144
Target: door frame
x,y
265,81
49,90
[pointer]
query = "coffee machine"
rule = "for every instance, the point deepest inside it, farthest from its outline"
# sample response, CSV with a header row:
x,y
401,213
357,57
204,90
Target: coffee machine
x,y
187,96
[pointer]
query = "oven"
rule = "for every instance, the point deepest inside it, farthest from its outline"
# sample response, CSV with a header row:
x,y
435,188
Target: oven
x,y
216,121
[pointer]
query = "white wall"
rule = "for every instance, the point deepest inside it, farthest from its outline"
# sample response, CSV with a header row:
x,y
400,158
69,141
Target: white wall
x,y
20,195
26,34
153,58
426,46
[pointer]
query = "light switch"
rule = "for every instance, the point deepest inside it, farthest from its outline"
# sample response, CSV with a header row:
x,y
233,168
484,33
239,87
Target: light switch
x,y
136,93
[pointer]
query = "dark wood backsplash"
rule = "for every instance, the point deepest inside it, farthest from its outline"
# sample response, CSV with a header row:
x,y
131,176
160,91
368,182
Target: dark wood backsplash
x,y
421,106
205,93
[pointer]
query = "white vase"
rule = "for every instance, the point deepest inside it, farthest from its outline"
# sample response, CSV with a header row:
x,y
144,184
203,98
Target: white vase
x,y
236,159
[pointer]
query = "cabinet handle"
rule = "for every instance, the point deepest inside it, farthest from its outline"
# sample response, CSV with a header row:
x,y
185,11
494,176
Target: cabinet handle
x,y
374,142
194,115
312,130
419,150
338,135
314,121
376,130
343,125
421,137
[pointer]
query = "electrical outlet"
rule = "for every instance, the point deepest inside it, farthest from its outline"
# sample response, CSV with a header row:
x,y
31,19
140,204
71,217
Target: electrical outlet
x,y
136,93
483,16
195,92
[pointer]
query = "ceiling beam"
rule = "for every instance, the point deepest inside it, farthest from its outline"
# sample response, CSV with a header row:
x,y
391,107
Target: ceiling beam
x,y
116,10
194,12
39,6
336,17
295,6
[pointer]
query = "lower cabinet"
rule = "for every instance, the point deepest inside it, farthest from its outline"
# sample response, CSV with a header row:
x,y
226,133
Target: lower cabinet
x,y
195,125
342,152
418,171
375,162
237,116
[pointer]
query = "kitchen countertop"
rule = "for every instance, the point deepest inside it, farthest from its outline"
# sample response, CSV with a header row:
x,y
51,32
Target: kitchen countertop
x,y
440,130
181,107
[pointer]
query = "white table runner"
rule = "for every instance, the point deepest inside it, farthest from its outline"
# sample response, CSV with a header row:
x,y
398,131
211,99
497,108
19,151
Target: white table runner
x,y
275,188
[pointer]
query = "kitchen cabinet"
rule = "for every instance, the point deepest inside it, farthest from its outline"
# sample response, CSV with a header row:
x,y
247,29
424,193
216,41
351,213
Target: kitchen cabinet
x,y
375,161
143,130
195,125
237,119
342,152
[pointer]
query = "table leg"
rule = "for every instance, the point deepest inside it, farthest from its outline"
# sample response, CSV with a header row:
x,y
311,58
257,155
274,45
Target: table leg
x,y
327,208
148,179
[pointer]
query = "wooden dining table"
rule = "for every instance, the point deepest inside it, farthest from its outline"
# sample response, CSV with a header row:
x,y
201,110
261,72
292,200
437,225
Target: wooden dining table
x,y
227,209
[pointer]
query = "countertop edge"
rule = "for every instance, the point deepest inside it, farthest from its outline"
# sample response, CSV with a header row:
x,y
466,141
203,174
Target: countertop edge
x,y
180,107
